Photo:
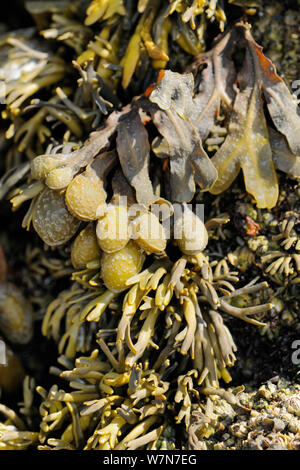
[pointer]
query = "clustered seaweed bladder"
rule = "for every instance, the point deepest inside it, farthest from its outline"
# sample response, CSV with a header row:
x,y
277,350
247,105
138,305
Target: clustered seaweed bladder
x,y
146,303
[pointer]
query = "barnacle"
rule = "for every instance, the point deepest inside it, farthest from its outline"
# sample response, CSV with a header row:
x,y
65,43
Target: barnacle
x,y
219,418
